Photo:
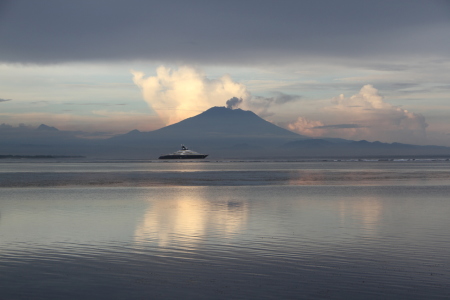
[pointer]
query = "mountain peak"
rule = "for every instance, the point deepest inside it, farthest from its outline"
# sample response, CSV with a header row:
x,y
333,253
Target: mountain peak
x,y
134,131
222,110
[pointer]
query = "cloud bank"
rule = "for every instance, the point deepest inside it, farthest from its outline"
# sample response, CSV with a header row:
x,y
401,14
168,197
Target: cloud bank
x,y
368,116
223,32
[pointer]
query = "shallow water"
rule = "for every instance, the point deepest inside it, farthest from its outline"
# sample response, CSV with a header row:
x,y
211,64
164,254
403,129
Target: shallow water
x,y
150,173
225,230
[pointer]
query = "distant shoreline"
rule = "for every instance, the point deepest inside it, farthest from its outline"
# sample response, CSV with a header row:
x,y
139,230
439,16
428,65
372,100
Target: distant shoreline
x,y
40,156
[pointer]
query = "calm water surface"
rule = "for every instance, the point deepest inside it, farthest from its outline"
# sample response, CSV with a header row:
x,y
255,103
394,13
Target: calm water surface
x,y
225,230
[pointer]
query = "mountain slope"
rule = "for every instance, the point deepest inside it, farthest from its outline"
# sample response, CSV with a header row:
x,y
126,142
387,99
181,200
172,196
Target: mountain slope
x,y
224,122
219,123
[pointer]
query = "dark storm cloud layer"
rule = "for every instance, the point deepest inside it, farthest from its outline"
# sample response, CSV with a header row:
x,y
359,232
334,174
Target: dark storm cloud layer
x,y
220,31
4,100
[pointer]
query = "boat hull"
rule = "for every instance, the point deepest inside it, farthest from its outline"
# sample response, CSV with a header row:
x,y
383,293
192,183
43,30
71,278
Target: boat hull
x,y
171,156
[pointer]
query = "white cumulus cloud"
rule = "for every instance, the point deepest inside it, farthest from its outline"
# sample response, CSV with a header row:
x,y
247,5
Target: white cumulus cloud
x,y
306,127
179,94
368,116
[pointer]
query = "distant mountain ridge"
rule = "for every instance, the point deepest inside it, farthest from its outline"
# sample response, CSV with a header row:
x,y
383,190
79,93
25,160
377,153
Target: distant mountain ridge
x,y
363,148
220,132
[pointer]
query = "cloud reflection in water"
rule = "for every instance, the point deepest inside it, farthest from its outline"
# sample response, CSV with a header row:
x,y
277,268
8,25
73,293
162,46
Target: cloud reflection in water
x,y
187,215
365,213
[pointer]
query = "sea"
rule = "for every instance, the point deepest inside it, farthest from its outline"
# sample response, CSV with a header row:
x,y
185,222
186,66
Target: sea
x,y
262,229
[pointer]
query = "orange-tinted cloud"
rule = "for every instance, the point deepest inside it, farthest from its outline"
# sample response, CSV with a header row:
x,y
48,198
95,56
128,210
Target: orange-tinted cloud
x,y
365,115
179,94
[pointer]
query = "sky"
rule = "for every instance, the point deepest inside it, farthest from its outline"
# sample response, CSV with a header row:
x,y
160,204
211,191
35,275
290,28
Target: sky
x,y
353,69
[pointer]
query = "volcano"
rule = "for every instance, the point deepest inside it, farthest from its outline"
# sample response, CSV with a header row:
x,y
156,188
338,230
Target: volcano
x,y
220,123
217,130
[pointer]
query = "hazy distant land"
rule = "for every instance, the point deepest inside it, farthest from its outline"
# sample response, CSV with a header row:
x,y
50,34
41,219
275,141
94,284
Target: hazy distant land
x,y
39,156
220,132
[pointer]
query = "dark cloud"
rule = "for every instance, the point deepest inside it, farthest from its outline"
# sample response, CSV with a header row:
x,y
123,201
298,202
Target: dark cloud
x,y
350,86
234,102
252,31
339,126
95,104
262,105
4,100
282,98
315,86
40,102
442,88
278,99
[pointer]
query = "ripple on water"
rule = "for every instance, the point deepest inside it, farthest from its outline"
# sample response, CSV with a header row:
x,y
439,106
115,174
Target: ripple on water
x,y
225,242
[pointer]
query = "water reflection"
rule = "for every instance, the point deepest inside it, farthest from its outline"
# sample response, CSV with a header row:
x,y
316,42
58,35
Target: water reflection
x,y
189,214
321,177
272,242
361,177
365,211
307,178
